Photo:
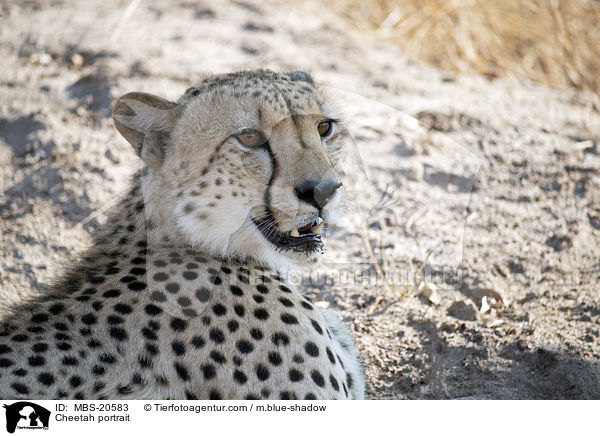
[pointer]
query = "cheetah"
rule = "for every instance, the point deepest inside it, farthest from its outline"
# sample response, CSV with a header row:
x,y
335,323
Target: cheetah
x,y
183,293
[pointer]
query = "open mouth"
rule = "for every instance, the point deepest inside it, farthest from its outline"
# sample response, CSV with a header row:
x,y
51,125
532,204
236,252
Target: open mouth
x,y
304,239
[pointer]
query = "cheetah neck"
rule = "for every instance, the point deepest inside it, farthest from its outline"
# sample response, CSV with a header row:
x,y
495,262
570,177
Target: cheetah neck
x,y
144,218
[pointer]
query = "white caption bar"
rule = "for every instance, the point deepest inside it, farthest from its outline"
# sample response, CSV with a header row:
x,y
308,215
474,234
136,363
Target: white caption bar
x,y
299,417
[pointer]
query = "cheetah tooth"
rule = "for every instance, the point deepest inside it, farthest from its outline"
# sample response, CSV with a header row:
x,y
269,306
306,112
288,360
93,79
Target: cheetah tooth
x,y
317,229
295,233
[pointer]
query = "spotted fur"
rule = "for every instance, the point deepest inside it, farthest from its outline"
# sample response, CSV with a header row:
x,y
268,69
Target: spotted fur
x,y
182,295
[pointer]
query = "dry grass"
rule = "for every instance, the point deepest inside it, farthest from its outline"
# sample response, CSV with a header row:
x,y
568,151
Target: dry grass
x,y
556,42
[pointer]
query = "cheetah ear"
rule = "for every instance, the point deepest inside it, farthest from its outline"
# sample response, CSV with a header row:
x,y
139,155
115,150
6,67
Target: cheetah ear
x,y
146,121
300,76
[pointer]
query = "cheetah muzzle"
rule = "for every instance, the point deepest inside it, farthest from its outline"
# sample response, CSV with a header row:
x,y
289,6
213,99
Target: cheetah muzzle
x,y
183,294
304,239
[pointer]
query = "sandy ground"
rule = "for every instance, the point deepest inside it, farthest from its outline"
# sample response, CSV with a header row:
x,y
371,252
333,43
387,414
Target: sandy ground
x,y
467,261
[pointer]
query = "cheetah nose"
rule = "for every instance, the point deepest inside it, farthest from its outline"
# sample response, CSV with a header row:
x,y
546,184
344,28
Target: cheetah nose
x,y
318,193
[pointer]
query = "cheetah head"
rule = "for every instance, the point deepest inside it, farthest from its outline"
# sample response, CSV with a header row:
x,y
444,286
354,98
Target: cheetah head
x,y
242,165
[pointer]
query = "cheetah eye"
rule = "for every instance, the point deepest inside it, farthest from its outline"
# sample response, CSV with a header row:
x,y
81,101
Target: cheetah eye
x,y
251,138
324,128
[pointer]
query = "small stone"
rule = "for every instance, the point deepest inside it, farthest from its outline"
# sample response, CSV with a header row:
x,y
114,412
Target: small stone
x,y
77,60
429,293
40,58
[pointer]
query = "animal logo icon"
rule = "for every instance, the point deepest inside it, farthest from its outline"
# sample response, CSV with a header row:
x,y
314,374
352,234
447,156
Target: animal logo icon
x,y
24,414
